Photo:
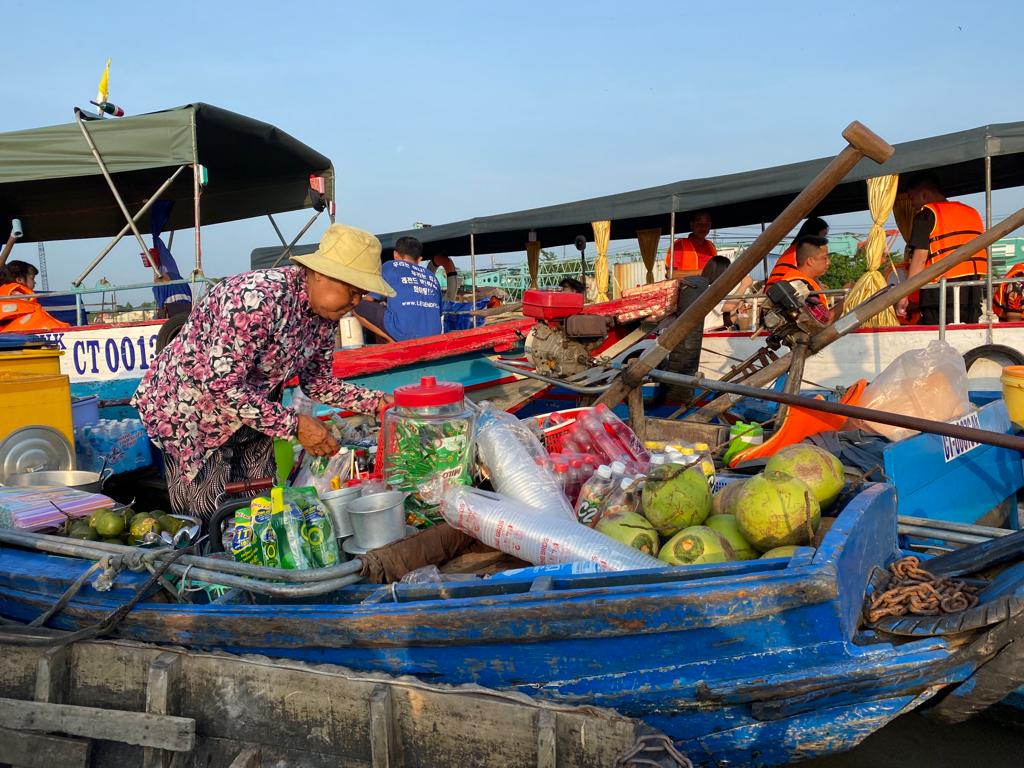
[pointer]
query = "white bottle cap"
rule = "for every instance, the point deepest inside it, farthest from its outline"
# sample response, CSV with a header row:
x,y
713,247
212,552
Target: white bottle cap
x,y
658,459
618,467
627,483
604,471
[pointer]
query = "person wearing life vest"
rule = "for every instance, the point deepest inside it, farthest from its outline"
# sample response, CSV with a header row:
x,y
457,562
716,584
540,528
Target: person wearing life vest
x,y
811,263
813,226
19,314
691,253
941,226
1008,299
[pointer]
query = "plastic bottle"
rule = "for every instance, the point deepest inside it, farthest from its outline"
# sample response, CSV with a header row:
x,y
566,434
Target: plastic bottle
x,y
707,464
578,475
625,498
593,495
601,442
270,554
622,433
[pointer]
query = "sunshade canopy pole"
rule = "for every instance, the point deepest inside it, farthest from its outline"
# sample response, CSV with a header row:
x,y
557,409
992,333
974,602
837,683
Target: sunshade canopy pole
x,y
989,316
196,192
288,248
113,188
77,282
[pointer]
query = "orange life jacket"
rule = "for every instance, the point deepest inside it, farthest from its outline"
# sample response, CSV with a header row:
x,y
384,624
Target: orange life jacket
x,y
999,295
790,274
955,224
786,260
23,315
688,256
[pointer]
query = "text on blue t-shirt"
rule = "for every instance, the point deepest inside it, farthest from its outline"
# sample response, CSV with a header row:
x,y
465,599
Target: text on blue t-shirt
x,y
415,310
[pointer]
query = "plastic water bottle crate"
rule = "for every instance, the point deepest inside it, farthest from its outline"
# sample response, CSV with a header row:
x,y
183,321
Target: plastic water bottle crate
x,y
124,444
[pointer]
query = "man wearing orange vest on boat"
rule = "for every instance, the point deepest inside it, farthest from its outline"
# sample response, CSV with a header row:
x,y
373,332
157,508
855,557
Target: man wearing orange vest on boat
x,y
811,263
941,226
813,226
18,314
1008,299
691,253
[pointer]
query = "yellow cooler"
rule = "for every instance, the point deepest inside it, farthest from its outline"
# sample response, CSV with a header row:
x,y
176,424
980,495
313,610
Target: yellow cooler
x,y
35,399
34,361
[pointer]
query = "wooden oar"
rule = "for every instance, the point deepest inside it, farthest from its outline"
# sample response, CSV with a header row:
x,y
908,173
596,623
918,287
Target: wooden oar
x,y
861,143
984,436
884,298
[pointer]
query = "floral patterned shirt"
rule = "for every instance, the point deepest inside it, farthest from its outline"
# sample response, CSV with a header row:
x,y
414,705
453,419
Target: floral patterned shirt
x,y
252,333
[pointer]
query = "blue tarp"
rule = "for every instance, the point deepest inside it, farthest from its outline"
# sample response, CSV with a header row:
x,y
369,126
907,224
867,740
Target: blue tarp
x,y
454,317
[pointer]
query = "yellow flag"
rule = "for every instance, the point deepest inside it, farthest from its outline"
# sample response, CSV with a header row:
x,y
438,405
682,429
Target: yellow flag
x,y
103,92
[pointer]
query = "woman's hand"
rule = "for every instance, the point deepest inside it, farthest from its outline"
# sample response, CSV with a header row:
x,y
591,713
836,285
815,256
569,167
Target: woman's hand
x,y
315,437
385,402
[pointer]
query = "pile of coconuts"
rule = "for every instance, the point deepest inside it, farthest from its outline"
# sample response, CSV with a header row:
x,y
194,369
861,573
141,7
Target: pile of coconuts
x,y
765,516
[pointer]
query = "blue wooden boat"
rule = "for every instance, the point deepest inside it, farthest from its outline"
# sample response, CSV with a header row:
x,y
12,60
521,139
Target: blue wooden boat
x,y
753,663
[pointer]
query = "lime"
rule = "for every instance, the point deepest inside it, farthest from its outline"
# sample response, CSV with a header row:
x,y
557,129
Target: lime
x,y
142,528
81,530
109,524
96,516
170,524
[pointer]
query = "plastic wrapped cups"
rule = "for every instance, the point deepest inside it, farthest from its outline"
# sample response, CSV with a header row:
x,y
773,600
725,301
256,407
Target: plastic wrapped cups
x,y
378,519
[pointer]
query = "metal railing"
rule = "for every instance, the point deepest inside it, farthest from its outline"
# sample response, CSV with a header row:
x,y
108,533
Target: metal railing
x,y
196,282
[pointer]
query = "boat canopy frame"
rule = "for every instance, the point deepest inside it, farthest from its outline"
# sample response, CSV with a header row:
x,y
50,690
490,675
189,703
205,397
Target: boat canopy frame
x,y
58,180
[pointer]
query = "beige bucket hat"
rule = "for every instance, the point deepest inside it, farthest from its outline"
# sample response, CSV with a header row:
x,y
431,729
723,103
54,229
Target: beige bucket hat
x,y
350,255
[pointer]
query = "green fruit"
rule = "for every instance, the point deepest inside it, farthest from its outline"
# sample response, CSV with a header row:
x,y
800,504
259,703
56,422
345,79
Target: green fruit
x,y
678,498
81,530
142,528
729,530
113,540
696,544
109,524
787,552
95,516
631,529
774,509
723,502
170,524
819,469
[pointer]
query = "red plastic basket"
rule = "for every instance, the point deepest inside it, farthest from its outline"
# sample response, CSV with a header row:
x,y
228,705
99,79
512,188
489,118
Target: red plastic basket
x,y
554,434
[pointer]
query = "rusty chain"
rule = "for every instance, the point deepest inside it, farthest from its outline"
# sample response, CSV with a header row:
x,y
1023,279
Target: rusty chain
x,y
912,589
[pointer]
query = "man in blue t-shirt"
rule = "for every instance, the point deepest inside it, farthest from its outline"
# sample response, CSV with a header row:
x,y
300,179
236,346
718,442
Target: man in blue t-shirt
x,y
415,310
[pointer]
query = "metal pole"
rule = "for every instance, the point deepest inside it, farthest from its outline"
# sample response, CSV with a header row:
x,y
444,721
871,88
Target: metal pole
x,y
989,315
278,230
472,263
78,309
110,183
983,436
671,238
124,230
942,308
196,192
288,248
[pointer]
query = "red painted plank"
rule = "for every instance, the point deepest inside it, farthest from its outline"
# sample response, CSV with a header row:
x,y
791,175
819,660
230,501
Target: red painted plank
x,y
375,358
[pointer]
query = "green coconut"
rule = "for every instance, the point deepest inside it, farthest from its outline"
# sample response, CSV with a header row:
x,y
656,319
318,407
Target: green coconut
x,y
819,469
631,529
722,503
677,499
726,526
696,544
775,509
786,552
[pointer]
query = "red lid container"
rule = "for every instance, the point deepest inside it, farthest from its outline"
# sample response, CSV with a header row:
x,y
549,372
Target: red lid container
x,y
429,393
551,305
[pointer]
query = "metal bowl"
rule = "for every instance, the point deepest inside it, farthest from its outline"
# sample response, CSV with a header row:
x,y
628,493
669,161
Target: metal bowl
x,y
63,478
378,518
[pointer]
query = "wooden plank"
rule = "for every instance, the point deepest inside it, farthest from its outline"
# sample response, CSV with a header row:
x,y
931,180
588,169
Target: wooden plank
x,y
37,750
138,728
52,675
247,758
382,729
161,699
547,743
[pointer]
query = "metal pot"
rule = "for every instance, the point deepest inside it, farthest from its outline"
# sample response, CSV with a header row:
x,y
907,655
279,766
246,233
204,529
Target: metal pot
x,y
378,519
91,482
337,505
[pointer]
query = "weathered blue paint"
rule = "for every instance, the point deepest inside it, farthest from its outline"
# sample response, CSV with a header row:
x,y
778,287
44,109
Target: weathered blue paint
x,y
753,663
962,490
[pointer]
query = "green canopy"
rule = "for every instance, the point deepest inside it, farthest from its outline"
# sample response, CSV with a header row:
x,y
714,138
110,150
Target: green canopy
x,y
735,199
51,182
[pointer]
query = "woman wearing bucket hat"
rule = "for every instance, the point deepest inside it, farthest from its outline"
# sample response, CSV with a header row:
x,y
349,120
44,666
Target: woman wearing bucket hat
x,y
210,398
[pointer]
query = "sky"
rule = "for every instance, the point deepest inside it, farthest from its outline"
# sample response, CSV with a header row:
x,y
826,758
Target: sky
x,y
435,112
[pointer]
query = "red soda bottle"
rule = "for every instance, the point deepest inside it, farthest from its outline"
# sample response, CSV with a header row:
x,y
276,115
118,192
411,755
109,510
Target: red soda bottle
x,y
622,433
601,441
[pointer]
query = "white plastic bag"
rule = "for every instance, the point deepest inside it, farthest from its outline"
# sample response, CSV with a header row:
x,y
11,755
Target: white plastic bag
x,y
929,383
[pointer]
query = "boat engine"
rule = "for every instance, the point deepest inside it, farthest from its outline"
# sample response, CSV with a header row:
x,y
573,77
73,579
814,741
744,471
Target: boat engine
x,y
785,313
562,348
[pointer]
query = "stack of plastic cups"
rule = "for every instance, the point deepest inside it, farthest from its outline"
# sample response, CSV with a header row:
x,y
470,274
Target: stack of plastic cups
x,y
516,529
